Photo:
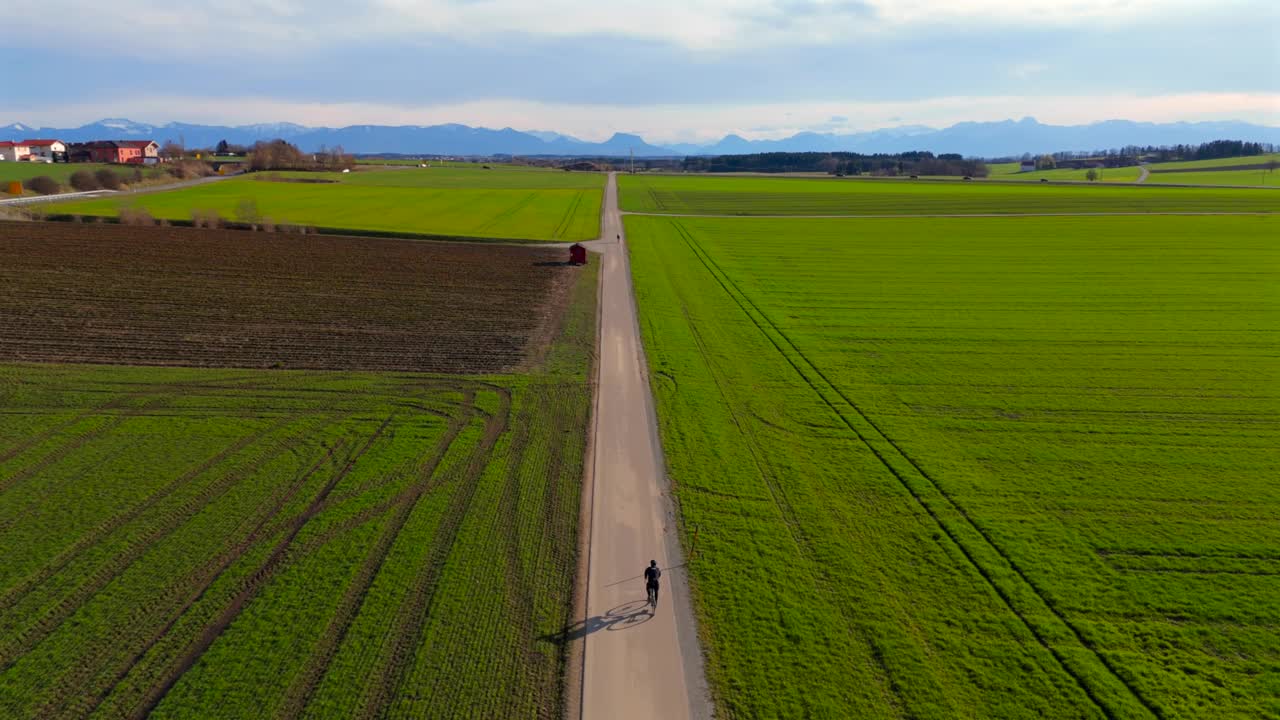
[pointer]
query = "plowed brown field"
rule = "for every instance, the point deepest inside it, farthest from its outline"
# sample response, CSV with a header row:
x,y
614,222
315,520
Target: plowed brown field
x,y
223,298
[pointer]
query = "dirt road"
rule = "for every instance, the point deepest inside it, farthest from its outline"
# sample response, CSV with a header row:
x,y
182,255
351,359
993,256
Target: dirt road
x,y
637,662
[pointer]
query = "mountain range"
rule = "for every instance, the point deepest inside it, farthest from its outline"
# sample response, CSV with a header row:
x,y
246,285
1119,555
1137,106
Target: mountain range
x,y
972,139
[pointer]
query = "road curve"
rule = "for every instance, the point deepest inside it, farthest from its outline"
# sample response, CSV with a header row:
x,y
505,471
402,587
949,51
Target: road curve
x,y
636,663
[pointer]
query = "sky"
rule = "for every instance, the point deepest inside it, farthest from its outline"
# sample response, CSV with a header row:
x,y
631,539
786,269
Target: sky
x,y
669,70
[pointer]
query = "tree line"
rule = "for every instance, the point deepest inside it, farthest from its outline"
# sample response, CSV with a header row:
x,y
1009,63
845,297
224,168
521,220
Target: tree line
x,y
841,163
275,154
1132,154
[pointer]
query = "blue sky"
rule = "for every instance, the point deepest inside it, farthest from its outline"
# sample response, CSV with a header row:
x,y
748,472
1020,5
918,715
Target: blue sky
x,y
670,70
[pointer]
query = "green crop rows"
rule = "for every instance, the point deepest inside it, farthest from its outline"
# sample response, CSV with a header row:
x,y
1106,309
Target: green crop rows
x,y
1216,163
800,196
498,203
1011,171
1266,178
974,468
249,544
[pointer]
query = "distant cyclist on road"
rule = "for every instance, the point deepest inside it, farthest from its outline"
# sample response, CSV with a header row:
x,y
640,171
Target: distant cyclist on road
x,y
651,575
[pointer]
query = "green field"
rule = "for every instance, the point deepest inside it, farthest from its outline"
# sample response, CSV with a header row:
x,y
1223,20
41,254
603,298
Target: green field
x,y
1211,172
434,163
1214,164
1217,172
1246,178
974,468
196,543
58,171
503,203
1010,171
793,196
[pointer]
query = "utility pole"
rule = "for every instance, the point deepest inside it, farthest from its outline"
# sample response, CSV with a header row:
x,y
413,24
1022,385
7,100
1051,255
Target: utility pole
x,y
633,160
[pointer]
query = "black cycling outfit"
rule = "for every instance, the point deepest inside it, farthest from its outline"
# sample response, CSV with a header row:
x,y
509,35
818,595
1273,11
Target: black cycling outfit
x,y
651,575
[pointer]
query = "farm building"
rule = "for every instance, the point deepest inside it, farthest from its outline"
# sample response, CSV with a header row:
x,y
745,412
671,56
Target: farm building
x,y
1027,166
149,148
115,151
47,151
12,151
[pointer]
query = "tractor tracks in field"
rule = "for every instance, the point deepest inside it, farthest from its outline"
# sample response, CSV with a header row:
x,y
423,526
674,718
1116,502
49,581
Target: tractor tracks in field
x,y
26,637
59,428
1017,591
251,586
105,529
411,616
908,216
566,221
304,685
163,635
81,440
818,571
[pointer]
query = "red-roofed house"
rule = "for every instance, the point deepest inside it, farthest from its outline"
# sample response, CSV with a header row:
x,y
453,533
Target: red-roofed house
x,y
11,151
46,150
150,148
110,151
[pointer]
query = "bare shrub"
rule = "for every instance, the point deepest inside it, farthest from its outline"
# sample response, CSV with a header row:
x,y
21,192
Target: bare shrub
x,y
247,211
136,216
206,219
84,181
188,169
44,185
108,179
277,155
201,218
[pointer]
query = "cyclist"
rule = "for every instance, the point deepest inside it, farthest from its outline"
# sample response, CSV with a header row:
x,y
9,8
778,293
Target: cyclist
x,y
651,575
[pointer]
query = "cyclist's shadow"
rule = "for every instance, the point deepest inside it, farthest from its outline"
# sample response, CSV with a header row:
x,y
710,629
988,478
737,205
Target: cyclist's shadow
x,y
626,615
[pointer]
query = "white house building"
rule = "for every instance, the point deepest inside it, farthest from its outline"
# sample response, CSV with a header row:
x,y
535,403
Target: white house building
x,y
46,150
13,151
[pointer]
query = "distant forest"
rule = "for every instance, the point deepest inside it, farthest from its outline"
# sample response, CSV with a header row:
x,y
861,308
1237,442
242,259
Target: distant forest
x,y
1132,154
841,163
926,163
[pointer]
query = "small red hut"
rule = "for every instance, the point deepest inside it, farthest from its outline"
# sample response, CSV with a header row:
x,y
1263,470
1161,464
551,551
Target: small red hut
x,y
577,254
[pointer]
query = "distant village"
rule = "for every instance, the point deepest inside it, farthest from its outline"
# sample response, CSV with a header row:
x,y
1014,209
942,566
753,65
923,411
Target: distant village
x,y
133,152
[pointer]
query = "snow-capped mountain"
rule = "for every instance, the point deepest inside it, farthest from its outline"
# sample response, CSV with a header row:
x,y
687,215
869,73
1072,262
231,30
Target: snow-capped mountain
x,y
973,139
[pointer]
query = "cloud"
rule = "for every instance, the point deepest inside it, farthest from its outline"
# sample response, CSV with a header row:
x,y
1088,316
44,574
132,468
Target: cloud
x,y
282,26
1024,70
586,67
426,70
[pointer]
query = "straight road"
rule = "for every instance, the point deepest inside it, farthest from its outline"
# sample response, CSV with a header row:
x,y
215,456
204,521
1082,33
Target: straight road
x,y
637,662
